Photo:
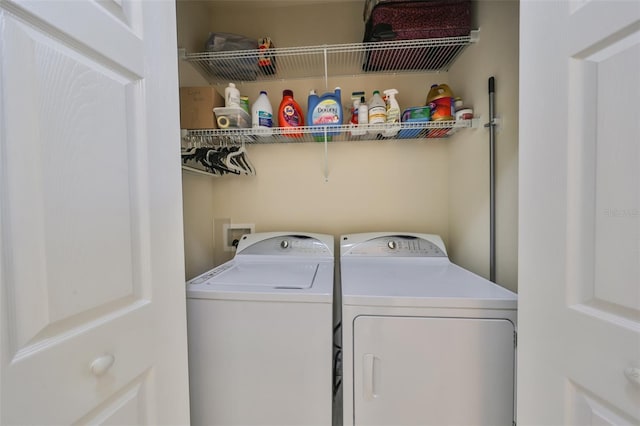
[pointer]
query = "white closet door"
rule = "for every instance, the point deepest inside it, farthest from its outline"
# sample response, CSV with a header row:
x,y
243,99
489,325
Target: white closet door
x,y
433,371
91,267
579,254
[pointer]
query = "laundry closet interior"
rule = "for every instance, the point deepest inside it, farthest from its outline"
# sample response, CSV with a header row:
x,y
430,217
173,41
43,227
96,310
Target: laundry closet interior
x,y
431,185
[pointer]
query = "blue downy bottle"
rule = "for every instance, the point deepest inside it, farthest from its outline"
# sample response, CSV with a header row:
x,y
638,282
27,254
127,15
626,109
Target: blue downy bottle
x,y
324,111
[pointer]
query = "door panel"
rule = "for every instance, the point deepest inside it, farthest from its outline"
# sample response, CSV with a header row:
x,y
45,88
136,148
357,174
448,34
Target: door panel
x,y
53,383
109,28
604,177
588,409
433,371
583,210
124,408
85,280
603,269
72,184
617,174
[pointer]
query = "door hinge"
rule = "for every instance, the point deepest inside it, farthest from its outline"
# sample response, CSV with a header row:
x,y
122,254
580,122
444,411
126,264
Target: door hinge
x,y
514,423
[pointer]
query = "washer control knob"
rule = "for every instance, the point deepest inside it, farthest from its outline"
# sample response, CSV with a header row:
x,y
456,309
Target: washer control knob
x,y
284,244
392,245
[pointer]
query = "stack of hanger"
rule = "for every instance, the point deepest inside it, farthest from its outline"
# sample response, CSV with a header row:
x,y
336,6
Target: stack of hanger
x,y
218,161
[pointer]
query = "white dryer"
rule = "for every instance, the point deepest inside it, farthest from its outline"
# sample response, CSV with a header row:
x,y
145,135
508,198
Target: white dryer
x,y
260,334
425,342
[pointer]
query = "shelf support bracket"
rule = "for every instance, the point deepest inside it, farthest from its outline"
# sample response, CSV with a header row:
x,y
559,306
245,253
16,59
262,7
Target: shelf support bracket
x,y
474,36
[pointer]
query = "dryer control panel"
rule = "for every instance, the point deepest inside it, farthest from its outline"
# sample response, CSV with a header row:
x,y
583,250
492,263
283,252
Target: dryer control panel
x,y
391,246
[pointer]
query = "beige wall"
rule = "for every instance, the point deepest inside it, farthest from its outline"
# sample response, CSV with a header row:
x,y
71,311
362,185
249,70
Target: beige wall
x,y
198,211
292,23
193,21
434,186
496,54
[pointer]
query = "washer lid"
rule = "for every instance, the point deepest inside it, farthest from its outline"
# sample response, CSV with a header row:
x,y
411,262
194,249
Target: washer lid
x,y
268,279
293,275
419,282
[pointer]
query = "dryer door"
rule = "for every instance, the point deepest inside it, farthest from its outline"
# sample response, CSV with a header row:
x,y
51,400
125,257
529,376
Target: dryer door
x,y
433,371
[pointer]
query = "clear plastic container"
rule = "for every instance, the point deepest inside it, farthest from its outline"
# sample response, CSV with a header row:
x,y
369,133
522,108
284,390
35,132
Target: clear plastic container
x,y
232,118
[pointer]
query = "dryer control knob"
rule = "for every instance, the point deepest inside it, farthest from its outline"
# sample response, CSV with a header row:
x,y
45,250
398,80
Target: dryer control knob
x,y
284,244
392,245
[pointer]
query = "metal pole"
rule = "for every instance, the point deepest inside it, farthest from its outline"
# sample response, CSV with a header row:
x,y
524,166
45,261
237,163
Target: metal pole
x,y
492,180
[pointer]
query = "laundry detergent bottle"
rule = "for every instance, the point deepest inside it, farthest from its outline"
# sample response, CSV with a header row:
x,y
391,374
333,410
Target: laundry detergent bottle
x,y
262,114
324,111
440,100
290,114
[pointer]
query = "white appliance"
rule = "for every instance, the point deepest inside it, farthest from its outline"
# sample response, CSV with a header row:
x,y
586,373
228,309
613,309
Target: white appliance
x,y
260,334
425,342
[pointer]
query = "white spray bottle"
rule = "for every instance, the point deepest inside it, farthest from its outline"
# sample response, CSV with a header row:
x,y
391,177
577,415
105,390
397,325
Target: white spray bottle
x,y
393,113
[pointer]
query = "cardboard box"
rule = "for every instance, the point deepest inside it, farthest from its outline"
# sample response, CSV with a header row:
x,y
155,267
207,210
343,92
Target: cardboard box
x,y
196,107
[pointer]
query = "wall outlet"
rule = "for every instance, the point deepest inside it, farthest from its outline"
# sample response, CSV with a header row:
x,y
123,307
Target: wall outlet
x,y
231,234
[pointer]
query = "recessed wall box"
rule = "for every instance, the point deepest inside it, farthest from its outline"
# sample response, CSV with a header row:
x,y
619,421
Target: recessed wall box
x,y
231,234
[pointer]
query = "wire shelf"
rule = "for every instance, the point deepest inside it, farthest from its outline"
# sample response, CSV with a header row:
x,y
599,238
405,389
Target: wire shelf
x,y
436,54
344,133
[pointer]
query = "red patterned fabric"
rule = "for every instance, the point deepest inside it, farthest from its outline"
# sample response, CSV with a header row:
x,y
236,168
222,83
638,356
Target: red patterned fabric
x,y
410,20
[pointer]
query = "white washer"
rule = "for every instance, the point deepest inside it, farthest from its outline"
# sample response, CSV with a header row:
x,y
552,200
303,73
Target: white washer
x,y
260,334
425,342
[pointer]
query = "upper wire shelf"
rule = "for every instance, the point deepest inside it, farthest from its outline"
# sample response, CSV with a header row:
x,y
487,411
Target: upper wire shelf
x,y
434,54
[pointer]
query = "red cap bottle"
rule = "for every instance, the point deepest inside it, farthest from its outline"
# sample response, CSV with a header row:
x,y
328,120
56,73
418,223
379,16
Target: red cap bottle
x,y
290,114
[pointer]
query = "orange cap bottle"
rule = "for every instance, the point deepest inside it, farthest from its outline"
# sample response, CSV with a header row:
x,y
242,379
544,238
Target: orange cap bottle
x,y
290,114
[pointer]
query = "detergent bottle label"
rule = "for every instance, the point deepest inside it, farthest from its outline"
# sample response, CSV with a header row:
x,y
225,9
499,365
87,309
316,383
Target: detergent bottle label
x,y
265,119
377,114
326,112
290,115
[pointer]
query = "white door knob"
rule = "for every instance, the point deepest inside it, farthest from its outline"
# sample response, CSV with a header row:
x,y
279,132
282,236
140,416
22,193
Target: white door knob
x,y
633,374
100,365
